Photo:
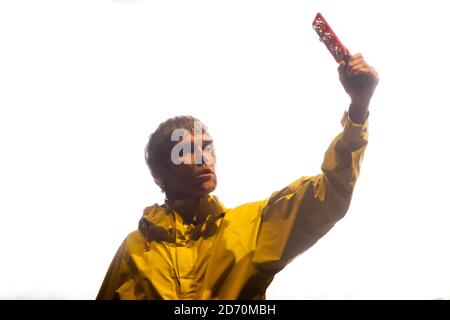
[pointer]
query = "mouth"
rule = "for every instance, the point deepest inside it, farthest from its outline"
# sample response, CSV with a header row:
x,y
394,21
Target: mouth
x,y
204,172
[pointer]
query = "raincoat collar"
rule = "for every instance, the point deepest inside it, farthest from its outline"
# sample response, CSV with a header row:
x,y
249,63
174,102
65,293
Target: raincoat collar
x,y
158,222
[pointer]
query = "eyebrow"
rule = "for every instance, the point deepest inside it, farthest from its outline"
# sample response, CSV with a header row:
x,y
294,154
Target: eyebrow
x,y
204,142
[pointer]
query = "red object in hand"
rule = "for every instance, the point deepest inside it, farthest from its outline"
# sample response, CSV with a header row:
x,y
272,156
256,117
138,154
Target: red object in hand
x,y
329,38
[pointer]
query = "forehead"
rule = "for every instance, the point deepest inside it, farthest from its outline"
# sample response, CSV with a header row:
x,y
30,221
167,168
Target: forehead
x,y
197,133
193,137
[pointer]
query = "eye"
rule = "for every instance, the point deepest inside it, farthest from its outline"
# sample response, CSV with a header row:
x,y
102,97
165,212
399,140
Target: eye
x,y
209,150
207,145
186,149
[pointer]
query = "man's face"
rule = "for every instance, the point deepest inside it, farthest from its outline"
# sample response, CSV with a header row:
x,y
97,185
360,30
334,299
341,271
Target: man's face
x,y
195,177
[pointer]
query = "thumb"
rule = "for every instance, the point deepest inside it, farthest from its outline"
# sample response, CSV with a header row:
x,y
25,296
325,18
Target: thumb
x,y
341,70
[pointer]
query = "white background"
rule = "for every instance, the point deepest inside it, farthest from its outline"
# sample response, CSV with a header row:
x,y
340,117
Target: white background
x,y
83,84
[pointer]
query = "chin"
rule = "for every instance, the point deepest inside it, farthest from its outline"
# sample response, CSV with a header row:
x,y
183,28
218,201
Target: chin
x,y
207,188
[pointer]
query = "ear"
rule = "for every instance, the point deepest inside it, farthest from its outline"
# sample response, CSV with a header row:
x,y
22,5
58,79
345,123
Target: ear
x,y
159,176
160,173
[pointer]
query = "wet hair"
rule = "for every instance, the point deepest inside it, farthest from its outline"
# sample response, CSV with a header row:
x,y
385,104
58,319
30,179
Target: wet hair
x,y
159,146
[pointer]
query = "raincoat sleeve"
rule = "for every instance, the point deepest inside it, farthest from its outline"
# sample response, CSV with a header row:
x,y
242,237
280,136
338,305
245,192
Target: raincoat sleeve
x,y
117,277
295,217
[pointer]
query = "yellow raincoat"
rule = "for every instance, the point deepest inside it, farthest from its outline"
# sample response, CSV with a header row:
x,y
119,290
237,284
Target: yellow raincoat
x,y
235,253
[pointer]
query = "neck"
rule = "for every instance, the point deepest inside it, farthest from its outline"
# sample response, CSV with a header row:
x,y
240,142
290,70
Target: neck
x,y
188,208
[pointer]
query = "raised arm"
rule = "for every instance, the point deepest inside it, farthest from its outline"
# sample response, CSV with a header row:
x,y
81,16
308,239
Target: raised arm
x,y
300,214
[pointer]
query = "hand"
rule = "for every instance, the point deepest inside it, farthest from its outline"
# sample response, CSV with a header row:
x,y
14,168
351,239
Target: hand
x,y
359,80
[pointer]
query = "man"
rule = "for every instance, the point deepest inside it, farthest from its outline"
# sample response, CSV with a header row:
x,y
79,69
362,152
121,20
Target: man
x,y
192,247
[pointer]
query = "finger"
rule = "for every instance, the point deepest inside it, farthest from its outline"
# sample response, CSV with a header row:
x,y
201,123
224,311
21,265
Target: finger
x,y
357,62
352,70
365,78
361,68
357,56
364,69
361,71
370,77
